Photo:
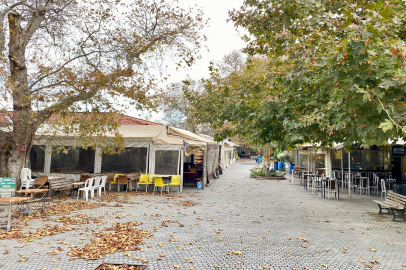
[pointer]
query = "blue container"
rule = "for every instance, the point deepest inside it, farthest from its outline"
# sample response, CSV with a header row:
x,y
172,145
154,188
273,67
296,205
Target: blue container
x,y
199,185
275,165
291,167
280,165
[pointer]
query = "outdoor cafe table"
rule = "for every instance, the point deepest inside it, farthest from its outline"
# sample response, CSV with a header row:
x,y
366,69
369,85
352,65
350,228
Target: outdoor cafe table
x,y
10,200
32,192
131,177
162,176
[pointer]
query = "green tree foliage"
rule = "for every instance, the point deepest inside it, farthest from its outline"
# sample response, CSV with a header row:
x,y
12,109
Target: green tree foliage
x,y
320,71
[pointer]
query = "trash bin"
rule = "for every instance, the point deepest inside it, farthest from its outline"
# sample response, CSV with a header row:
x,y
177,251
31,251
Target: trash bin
x,y
199,185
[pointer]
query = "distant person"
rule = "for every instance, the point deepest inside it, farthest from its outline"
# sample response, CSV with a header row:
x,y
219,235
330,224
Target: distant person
x,y
259,159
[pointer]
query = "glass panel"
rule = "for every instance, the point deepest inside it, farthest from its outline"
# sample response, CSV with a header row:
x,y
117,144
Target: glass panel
x,y
304,160
37,158
363,159
131,160
72,160
166,162
320,161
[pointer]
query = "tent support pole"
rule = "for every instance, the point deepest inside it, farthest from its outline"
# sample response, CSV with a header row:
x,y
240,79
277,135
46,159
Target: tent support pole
x,y
342,170
47,161
204,181
349,174
181,169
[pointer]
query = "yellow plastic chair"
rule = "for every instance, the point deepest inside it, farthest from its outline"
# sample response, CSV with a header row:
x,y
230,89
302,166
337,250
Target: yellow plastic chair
x,y
159,183
146,180
175,181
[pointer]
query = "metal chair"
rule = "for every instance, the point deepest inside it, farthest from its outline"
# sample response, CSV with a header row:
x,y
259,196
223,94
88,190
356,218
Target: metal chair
x,y
364,185
331,187
383,188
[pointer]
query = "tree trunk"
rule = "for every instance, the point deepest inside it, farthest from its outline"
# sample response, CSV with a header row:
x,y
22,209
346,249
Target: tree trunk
x,y
19,141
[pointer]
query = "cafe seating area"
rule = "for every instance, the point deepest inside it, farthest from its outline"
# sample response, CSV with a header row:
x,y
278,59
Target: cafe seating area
x,y
359,182
37,194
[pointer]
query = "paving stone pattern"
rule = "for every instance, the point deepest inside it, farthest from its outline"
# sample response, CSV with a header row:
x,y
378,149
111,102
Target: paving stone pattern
x,y
275,225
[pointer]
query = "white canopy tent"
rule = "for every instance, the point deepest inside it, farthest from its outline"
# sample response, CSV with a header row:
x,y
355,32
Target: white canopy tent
x,y
163,148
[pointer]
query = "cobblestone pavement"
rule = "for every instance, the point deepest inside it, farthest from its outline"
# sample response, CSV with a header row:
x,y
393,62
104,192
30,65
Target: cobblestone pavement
x,y
261,224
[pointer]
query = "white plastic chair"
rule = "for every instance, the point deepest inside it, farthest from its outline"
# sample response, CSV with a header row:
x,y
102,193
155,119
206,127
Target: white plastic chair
x,y
95,186
26,180
364,185
383,188
86,188
102,185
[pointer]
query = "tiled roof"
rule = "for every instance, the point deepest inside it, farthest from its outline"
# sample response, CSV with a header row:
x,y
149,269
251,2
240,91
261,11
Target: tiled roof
x,y
122,119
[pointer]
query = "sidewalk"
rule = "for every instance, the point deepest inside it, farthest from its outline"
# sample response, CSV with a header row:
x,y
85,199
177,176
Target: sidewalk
x,y
236,223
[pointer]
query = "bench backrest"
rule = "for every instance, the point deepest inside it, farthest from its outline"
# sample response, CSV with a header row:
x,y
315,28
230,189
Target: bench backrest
x,y
396,198
68,183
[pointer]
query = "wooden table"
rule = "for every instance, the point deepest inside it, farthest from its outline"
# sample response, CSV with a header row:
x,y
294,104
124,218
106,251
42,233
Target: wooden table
x,y
10,200
131,177
32,192
163,176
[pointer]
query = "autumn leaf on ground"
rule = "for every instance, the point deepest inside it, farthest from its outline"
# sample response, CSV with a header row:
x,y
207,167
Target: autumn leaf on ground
x,y
176,266
373,250
324,265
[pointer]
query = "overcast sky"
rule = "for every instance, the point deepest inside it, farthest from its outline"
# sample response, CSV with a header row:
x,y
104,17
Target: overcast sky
x,y
222,38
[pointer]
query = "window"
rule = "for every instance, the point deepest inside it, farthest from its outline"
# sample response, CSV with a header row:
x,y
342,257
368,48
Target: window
x,y
131,160
37,158
72,160
166,162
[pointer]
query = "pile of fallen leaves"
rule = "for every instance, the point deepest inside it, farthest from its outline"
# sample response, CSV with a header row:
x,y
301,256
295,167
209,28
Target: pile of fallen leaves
x,y
28,236
119,267
82,219
187,203
61,209
123,238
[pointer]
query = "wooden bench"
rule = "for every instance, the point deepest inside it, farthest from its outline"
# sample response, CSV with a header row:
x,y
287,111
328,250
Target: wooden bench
x,y
58,186
394,203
